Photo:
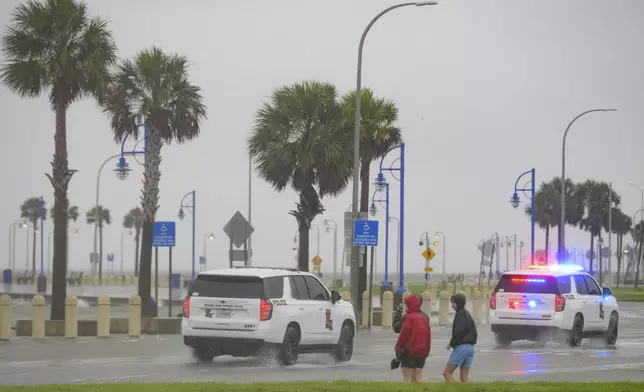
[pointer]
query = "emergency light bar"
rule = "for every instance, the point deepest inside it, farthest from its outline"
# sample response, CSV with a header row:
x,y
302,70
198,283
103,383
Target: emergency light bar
x,y
558,267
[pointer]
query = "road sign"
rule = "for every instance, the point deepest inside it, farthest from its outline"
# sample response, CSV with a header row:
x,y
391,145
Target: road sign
x,y
316,260
163,235
365,233
429,269
429,254
238,229
202,260
110,257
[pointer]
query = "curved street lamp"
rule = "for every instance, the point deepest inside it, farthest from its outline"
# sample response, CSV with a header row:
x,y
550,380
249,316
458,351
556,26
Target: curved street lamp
x,y
382,185
357,302
515,201
192,208
562,220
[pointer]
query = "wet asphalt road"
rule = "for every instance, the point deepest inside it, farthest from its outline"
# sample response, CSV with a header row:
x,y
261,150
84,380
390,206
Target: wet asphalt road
x,y
164,358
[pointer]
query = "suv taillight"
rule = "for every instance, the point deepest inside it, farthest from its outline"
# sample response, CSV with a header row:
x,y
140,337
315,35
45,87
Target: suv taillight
x,y
265,310
493,301
560,303
186,307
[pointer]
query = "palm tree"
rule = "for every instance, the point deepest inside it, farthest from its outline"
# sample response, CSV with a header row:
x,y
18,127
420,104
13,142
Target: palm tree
x,y
300,139
621,226
32,210
638,237
134,220
55,47
102,217
378,135
153,89
596,199
72,213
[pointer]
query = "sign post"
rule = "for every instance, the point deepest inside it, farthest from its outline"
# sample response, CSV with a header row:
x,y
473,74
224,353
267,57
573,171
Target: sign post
x,y
238,231
365,233
163,236
110,261
202,263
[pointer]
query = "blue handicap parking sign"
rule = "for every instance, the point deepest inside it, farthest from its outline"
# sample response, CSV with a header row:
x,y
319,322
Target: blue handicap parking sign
x,y
202,260
365,233
163,234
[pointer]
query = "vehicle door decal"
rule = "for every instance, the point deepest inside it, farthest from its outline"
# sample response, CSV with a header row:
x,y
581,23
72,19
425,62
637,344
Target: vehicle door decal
x,y
329,322
601,310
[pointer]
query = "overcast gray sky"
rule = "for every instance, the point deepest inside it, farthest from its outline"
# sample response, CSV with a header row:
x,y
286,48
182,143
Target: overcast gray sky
x,y
485,90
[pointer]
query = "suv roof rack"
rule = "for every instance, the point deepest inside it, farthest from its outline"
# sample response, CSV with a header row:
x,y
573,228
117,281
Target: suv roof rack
x,y
271,268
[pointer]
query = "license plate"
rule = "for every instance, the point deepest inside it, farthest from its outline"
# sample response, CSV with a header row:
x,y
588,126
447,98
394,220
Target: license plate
x,y
223,313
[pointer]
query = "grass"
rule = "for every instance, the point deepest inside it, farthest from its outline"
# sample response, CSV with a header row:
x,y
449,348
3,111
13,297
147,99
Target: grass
x,y
336,387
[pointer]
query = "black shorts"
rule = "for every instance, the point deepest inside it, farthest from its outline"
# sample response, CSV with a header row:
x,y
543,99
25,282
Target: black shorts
x,y
408,362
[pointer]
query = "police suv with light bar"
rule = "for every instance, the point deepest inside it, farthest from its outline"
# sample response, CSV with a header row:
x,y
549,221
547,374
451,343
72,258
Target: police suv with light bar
x,y
257,311
551,302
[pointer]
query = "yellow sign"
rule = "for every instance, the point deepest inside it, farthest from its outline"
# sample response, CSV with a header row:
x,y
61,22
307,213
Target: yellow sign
x,y
316,260
429,269
429,254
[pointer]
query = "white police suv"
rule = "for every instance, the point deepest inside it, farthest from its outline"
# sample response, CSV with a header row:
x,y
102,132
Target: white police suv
x,y
551,302
256,311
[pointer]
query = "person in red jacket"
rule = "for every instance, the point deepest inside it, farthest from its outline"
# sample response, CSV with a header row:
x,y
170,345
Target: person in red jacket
x,y
414,342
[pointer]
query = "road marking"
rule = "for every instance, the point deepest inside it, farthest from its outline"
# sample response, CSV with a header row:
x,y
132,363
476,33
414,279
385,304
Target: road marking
x,y
85,380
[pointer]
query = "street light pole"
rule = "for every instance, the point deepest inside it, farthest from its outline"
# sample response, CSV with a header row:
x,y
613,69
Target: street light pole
x,y
330,223
515,201
317,248
250,206
385,282
11,261
444,252
193,209
562,219
206,237
355,295
641,193
393,218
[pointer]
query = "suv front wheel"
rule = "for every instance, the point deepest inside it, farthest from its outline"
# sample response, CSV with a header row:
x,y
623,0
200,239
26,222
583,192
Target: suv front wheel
x,y
344,349
290,347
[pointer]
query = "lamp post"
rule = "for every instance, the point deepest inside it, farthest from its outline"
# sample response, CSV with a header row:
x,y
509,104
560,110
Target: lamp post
x,y
515,201
317,246
641,193
426,244
206,237
329,225
357,298
444,253
128,232
521,245
393,218
379,188
380,181
192,208
562,219
507,242
122,172
641,241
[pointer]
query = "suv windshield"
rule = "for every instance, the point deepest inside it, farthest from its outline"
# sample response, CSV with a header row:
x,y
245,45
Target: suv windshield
x,y
227,286
527,284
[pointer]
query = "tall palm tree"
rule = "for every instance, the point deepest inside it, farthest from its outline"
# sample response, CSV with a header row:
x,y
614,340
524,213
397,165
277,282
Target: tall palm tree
x,y
621,226
300,139
153,89
72,213
378,135
638,237
32,210
134,220
102,217
596,198
54,47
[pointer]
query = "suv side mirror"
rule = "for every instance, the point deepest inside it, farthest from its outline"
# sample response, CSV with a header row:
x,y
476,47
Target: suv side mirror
x,y
606,292
335,296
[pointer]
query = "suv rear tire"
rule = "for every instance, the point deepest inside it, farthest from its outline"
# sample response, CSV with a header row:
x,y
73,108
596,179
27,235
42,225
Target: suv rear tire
x,y
290,347
203,354
576,333
344,349
502,340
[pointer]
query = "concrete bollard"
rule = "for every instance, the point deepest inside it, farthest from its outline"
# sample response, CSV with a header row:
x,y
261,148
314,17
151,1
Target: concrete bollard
x,y
427,303
346,295
405,295
134,323
476,307
38,317
71,317
443,308
469,292
454,287
486,306
5,317
365,308
387,309
103,322
432,290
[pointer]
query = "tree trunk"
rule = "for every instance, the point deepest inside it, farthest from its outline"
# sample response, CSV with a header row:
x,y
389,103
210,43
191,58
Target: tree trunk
x,y
33,248
136,251
591,254
548,245
150,205
620,239
639,258
303,247
61,175
364,207
100,252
